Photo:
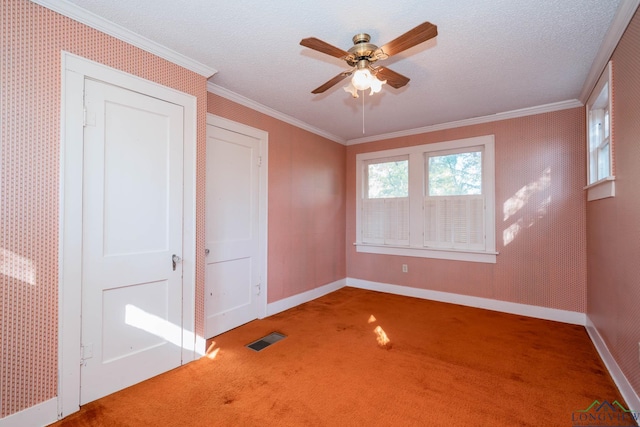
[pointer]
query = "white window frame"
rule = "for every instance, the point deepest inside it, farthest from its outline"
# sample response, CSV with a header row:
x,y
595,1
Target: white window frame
x,y
417,183
442,206
600,99
387,232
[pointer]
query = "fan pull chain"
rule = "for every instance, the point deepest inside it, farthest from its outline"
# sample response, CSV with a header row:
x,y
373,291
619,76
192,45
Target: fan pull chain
x,y
363,112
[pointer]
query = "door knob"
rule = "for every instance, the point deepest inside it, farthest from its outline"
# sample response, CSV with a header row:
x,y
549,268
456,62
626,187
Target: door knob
x,y
174,260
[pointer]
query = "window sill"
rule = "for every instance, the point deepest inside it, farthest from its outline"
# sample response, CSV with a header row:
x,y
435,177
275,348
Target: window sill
x,y
601,189
449,254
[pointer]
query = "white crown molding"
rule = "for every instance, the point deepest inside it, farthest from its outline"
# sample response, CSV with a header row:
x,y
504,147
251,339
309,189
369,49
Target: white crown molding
x,y
626,10
546,108
92,20
239,99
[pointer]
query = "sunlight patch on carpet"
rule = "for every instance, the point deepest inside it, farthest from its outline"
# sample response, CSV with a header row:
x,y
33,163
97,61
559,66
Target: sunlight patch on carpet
x,y
212,351
382,338
265,342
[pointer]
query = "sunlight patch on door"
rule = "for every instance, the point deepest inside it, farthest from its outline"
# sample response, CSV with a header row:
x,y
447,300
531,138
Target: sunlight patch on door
x,y
153,324
135,318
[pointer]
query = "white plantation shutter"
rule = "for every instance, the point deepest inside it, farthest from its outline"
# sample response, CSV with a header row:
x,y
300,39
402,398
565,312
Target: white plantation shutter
x,y
385,221
396,221
373,220
455,222
476,221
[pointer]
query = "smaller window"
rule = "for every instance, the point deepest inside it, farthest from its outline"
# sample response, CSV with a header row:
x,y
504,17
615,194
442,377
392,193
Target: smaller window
x,y
456,174
388,179
454,201
385,208
599,139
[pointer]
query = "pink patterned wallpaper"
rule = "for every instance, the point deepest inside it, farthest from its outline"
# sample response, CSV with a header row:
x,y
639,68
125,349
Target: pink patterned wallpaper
x,y
540,170
31,39
613,224
306,203
543,248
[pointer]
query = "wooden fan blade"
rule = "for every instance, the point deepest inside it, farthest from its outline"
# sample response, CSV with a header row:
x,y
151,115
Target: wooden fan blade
x,y
419,34
395,80
334,81
324,47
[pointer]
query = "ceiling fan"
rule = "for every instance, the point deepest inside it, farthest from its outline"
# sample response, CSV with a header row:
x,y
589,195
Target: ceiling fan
x,y
363,55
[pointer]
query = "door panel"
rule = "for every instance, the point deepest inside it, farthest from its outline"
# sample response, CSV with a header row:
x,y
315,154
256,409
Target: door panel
x,y
232,282
232,162
133,304
132,225
232,271
138,181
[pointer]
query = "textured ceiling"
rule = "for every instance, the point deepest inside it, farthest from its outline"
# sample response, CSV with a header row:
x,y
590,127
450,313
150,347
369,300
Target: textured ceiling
x,y
490,56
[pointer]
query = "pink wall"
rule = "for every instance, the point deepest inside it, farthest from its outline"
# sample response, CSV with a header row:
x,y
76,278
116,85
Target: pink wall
x,y
613,224
542,246
31,39
306,202
312,203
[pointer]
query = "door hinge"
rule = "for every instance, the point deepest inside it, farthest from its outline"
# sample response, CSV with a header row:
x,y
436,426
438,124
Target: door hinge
x,y
258,288
86,352
259,161
88,118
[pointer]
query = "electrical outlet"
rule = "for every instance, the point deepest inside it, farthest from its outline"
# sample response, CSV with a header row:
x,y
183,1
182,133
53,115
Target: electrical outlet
x,y
405,269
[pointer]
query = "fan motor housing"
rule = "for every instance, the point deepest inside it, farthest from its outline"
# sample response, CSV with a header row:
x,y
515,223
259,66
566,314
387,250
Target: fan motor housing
x,y
361,49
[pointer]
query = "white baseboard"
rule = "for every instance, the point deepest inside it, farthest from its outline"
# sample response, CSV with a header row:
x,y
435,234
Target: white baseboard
x,y
38,415
564,316
290,302
629,395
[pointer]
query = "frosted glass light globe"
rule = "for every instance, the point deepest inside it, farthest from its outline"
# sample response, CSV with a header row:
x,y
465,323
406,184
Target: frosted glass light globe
x,y
362,79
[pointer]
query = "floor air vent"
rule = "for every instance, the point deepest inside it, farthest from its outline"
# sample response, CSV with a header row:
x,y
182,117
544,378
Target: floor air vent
x,y
265,342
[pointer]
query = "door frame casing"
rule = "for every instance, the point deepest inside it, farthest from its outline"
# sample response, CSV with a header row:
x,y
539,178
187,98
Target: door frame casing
x,y
75,70
263,172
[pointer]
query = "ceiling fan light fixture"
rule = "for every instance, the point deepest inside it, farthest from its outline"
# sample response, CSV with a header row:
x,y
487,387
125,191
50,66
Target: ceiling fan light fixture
x,y
350,88
376,85
363,54
363,79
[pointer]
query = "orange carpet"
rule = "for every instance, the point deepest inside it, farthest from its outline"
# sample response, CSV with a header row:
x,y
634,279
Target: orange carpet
x,y
362,358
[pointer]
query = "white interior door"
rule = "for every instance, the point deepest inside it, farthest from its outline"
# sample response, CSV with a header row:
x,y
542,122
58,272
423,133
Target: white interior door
x,y
132,226
232,277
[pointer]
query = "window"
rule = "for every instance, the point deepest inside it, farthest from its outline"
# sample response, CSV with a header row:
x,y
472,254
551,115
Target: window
x,y
434,200
385,208
454,203
600,179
